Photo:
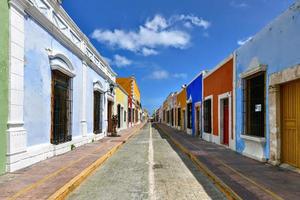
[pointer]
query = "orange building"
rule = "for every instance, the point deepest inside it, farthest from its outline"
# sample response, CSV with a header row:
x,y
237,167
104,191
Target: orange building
x,y
181,109
130,85
218,104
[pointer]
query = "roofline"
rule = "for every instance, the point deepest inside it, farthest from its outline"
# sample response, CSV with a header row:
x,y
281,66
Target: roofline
x,y
218,66
203,72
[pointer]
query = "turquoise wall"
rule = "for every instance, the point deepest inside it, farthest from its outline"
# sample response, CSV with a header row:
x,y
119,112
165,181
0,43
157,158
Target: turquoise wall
x,y
3,81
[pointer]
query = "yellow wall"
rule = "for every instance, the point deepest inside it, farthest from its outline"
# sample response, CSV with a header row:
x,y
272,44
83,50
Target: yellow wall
x,y
181,98
121,97
136,92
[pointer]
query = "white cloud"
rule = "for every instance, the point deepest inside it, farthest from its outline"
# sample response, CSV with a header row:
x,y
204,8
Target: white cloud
x,y
159,75
238,4
163,74
121,61
156,32
148,52
180,75
190,20
244,41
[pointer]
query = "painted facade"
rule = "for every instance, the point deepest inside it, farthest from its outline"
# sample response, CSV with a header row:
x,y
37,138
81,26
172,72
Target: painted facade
x,y
181,102
121,107
220,93
194,100
4,59
61,64
134,99
273,55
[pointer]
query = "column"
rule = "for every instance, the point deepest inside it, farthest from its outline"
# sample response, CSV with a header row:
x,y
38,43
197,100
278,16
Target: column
x,y
16,133
83,122
274,122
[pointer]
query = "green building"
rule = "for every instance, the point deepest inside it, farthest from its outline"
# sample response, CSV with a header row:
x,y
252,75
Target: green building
x,y
4,36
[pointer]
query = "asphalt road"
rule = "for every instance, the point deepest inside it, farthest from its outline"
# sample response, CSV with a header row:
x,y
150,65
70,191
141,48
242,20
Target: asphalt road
x,y
147,167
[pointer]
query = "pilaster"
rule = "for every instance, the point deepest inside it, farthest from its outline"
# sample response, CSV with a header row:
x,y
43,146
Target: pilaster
x,y
83,122
16,133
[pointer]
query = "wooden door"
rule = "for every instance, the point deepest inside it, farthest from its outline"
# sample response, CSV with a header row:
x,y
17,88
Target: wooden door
x,y
197,121
225,122
109,116
290,139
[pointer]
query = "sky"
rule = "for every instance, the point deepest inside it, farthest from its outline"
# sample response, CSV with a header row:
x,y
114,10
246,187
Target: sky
x,y
166,43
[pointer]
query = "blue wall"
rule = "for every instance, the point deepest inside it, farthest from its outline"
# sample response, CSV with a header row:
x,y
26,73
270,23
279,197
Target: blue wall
x,y
194,91
37,85
276,46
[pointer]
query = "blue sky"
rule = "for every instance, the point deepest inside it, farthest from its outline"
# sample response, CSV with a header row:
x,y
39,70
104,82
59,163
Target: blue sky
x,y
165,43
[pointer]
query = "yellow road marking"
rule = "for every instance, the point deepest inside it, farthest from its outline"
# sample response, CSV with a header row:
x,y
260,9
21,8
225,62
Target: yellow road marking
x,y
274,195
43,180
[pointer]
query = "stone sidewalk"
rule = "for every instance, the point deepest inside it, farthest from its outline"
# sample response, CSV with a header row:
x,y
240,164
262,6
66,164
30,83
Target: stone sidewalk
x,y
43,179
248,178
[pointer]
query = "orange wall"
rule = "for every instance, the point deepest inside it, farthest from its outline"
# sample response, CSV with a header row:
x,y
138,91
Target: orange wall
x,y
219,82
125,83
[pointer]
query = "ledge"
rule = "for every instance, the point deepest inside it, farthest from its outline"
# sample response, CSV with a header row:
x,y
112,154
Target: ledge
x,y
254,138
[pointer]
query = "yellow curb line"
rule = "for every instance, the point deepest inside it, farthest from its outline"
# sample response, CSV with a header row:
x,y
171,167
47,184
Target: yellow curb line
x,y
230,194
77,180
275,196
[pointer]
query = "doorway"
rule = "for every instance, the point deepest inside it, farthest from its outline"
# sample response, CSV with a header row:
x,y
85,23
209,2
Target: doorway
x,y
290,139
119,115
198,120
97,112
224,121
109,116
61,108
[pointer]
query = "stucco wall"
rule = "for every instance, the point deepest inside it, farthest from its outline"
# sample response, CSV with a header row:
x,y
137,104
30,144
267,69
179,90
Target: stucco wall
x,y
3,81
93,77
212,87
194,91
276,46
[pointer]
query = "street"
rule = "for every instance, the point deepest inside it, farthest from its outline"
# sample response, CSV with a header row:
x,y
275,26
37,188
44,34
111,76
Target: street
x,y
147,167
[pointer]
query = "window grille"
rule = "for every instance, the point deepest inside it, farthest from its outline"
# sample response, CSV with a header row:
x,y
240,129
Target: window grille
x,y
207,116
189,115
254,105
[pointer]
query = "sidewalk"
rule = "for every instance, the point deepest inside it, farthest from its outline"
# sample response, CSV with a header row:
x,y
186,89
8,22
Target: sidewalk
x,y
60,173
249,179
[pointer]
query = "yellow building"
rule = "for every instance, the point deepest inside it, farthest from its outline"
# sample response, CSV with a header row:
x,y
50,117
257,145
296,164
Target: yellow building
x,y
134,99
181,112
121,107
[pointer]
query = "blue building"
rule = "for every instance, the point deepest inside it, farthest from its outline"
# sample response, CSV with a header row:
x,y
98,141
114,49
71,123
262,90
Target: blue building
x,y
60,87
268,92
194,93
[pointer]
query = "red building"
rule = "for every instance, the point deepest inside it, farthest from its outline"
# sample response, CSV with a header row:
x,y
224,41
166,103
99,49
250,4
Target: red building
x,y
218,104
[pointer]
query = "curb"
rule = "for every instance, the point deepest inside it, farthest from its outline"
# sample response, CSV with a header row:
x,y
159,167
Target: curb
x,y
77,180
229,193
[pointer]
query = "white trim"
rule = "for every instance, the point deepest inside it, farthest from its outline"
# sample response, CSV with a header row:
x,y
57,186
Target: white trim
x,y
42,152
261,140
61,63
98,86
198,105
199,74
233,146
221,97
208,136
83,122
260,68
218,66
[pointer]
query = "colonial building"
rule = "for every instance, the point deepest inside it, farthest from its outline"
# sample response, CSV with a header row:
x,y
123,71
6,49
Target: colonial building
x,y
194,104
181,109
60,89
121,108
268,92
218,104
134,99
4,62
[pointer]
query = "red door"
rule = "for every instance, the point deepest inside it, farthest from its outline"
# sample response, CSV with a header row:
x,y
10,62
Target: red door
x,y
225,123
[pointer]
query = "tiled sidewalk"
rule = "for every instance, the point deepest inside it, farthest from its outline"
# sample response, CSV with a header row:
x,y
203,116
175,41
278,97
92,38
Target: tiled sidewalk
x,y
248,178
41,180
